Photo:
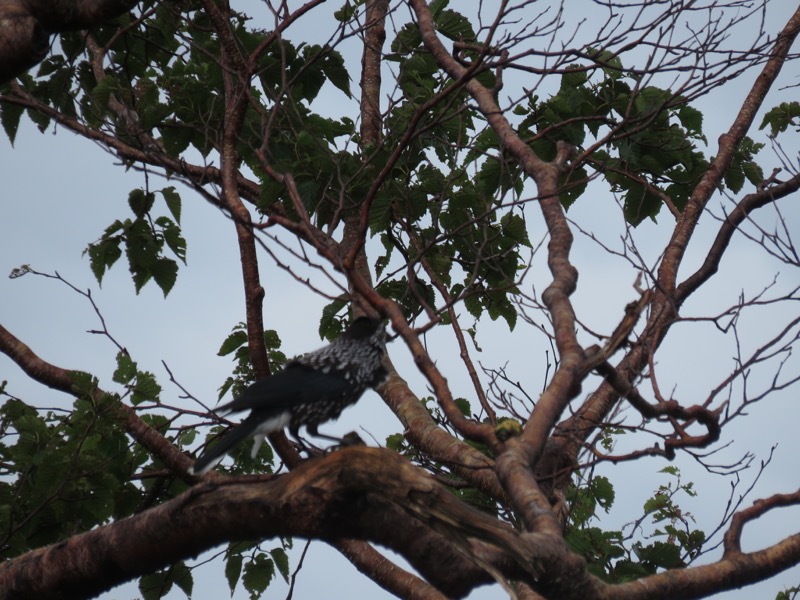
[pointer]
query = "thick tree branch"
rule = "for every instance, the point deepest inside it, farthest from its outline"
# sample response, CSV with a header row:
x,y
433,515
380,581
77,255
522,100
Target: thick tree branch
x,y
359,492
728,143
513,466
743,210
385,573
562,449
63,380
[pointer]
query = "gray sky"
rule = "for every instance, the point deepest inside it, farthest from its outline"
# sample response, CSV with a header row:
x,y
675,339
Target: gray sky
x,y
60,192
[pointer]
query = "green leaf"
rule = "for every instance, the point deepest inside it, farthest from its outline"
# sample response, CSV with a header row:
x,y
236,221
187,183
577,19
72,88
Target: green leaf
x,y
514,228
173,200
380,211
281,561
345,13
156,585
640,204
102,91
9,116
233,570
691,119
753,172
146,388
141,202
782,117
734,177
603,491
40,119
182,577
574,78
333,66
235,340
172,236
661,555
395,442
463,406
573,185
257,575
408,38
454,26
165,273
330,325
126,369
103,255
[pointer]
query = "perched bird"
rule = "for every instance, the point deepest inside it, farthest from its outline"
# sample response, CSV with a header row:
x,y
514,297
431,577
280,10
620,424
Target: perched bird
x,y
310,390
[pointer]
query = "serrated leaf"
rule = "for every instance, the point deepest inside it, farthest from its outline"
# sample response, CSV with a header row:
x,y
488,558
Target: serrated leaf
x,y
734,177
395,441
334,68
753,172
172,236
165,273
574,78
380,211
146,388
257,575
514,227
233,570
463,406
640,204
281,561
661,554
345,13
454,26
10,115
141,202
235,340
691,119
187,437
40,119
781,117
182,577
102,91
155,586
103,255
173,200
176,139
225,387
126,369
603,491
329,326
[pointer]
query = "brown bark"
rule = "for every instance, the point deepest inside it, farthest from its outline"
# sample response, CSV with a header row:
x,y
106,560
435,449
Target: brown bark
x,y
26,26
572,433
62,380
363,493
358,492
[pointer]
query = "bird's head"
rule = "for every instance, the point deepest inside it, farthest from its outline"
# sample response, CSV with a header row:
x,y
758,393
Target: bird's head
x,y
363,328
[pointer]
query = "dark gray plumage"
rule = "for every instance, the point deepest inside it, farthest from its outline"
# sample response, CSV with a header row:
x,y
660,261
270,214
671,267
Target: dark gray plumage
x,y
311,390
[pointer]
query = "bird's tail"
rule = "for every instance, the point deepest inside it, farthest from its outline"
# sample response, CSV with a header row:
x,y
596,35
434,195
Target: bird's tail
x,y
212,456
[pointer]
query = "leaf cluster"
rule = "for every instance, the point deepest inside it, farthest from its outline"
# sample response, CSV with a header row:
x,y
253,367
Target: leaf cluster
x,y
618,558
63,472
144,239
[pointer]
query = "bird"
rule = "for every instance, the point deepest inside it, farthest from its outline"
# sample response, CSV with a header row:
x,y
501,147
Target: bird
x,y
310,390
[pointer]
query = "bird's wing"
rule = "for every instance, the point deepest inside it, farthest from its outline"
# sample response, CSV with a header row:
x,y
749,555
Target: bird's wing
x,y
295,384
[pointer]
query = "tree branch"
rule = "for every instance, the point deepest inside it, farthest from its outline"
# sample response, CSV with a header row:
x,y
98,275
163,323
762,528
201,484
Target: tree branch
x,y
62,380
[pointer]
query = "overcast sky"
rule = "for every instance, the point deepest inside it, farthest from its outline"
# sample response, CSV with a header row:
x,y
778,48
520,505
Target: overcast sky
x,y
60,192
